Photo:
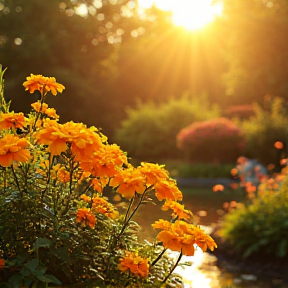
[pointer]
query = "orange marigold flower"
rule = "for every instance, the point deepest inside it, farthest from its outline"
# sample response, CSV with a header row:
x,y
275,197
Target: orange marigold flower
x,y
278,145
106,161
2,262
50,112
85,217
283,161
181,236
13,148
85,198
42,84
129,181
241,160
233,204
63,175
226,205
178,210
101,205
153,173
99,183
162,224
234,172
12,120
250,188
84,141
168,190
137,265
203,240
218,187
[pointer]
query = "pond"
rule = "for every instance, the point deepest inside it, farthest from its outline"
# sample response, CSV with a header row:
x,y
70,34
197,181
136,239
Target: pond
x,y
207,208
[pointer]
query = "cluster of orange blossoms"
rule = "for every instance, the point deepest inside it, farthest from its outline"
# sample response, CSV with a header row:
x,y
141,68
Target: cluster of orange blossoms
x,y
12,120
44,109
99,164
135,264
181,236
85,217
43,84
101,205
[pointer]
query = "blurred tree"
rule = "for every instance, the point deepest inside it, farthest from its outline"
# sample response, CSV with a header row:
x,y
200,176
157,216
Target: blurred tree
x,y
257,50
70,40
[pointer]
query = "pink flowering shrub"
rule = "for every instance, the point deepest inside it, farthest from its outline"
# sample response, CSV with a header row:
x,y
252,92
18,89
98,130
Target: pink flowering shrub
x,y
216,140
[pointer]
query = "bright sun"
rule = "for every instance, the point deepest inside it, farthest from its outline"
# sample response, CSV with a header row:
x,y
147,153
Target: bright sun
x,y
190,14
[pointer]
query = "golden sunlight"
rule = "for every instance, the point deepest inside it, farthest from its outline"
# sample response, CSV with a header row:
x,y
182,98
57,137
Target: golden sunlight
x,y
190,14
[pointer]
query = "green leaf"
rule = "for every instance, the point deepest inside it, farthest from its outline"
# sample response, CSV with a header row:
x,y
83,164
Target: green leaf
x,y
32,264
41,242
48,278
40,269
25,271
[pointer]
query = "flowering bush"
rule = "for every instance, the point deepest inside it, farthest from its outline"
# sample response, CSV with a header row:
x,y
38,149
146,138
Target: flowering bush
x,y
217,140
160,123
260,226
56,225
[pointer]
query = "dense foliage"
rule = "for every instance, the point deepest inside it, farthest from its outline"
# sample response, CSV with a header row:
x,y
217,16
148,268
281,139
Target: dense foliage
x,y
218,140
265,128
149,132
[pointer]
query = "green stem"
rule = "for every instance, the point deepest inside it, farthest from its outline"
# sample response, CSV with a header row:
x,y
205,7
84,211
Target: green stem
x,y
16,180
40,112
71,169
129,208
126,221
158,258
48,177
132,214
4,179
173,268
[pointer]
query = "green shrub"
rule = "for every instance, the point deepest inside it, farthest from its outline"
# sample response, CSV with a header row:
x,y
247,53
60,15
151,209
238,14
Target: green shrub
x,y
218,140
180,169
150,130
260,228
264,129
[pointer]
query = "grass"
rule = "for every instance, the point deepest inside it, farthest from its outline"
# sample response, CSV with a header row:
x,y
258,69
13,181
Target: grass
x,y
180,169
